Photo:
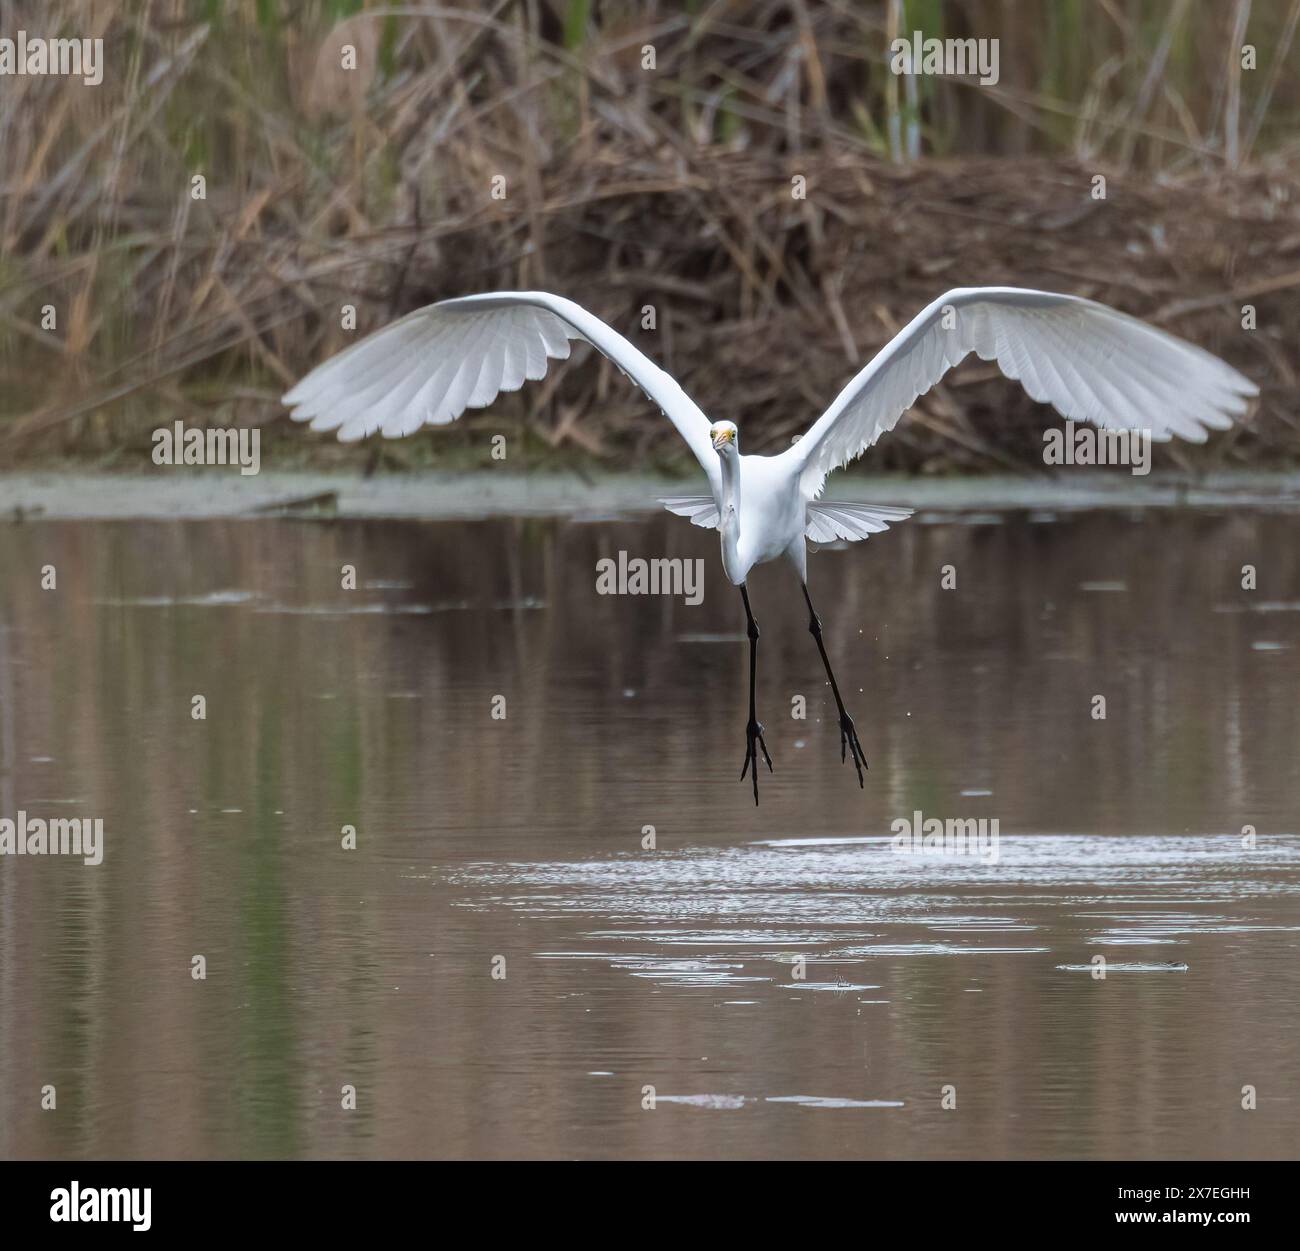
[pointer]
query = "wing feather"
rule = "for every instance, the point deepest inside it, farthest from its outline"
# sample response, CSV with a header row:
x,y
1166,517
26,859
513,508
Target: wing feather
x,y
831,520
433,364
1090,362
701,509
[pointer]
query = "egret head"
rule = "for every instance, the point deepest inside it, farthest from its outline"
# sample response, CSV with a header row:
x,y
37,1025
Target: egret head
x,y
724,435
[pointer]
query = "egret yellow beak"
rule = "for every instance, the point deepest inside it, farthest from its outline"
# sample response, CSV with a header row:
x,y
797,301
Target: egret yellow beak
x,y
721,438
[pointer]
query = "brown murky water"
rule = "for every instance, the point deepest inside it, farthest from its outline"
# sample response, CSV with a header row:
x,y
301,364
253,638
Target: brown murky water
x,y
786,982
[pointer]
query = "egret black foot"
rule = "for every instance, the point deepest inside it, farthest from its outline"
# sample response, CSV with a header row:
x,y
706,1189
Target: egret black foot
x,y
753,741
849,742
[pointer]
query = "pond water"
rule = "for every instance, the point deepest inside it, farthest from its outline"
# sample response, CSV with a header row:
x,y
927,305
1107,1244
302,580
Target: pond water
x,y
503,968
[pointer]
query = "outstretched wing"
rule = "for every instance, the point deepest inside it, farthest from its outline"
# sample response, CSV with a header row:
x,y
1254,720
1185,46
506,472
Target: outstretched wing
x,y
1088,361
701,509
828,520
433,364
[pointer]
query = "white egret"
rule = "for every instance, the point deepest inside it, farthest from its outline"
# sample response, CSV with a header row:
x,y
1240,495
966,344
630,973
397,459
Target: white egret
x,y
1088,361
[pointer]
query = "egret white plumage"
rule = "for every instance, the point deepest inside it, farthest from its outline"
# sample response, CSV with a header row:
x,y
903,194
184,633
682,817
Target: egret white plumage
x,y
1088,361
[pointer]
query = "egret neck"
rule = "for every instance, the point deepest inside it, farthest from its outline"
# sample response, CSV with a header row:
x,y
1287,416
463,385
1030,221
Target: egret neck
x,y
730,510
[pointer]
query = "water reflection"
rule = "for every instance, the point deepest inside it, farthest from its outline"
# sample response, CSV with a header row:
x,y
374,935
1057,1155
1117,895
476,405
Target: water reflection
x,y
521,838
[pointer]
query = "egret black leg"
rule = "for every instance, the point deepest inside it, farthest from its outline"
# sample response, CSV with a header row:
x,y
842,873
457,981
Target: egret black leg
x,y
848,735
753,731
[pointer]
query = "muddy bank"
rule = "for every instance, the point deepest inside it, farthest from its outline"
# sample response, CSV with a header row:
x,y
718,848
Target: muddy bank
x,y
441,496
1215,262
